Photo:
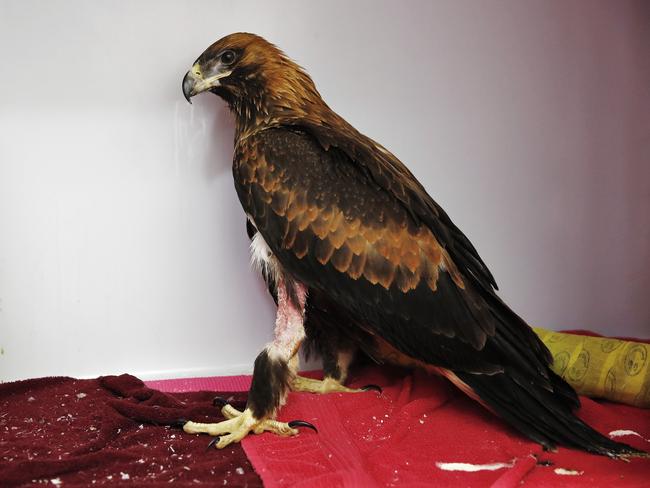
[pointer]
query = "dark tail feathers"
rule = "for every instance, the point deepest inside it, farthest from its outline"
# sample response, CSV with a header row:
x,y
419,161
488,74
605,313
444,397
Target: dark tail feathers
x,y
544,416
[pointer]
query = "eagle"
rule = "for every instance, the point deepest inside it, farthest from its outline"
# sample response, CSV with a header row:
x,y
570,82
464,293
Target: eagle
x,y
363,262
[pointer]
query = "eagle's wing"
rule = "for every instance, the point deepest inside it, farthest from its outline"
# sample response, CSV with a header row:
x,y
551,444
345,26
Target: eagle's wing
x,y
349,219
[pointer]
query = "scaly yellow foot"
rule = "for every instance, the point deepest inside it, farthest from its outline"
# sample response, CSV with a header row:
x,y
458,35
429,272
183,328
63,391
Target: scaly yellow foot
x,y
239,424
327,385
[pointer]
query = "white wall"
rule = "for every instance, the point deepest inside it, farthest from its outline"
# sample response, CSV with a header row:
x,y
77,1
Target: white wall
x,y
122,244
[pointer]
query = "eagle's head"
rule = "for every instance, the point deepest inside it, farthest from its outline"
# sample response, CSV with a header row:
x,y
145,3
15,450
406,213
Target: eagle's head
x,y
257,80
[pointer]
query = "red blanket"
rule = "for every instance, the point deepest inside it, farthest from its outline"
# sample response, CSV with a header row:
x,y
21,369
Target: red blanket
x,y
66,432
420,432
423,432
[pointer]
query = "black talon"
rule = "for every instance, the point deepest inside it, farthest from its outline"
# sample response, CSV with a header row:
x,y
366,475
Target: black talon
x,y
372,387
219,401
212,442
179,423
302,423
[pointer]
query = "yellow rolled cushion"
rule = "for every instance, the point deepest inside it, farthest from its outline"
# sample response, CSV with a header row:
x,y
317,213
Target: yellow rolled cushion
x,y
601,367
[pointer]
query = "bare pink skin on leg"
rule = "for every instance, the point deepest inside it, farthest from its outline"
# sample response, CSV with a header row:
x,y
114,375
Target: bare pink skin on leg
x,y
289,322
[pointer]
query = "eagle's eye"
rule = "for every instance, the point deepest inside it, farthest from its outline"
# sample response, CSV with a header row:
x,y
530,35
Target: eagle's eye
x,y
227,57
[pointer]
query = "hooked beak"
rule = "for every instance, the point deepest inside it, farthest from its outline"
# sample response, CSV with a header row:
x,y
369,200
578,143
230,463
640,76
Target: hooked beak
x,y
188,86
194,82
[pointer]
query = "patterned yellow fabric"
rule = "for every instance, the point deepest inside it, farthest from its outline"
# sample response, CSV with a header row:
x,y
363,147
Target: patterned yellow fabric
x,y
601,367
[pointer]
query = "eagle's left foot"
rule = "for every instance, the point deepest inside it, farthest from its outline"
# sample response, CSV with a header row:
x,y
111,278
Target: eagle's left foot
x,y
239,424
327,385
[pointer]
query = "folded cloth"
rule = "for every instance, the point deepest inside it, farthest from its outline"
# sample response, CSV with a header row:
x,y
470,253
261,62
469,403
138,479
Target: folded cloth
x,y
423,432
601,367
111,431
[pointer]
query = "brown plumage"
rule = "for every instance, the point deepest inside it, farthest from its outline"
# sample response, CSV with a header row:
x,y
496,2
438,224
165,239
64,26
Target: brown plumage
x,y
385,248
387,270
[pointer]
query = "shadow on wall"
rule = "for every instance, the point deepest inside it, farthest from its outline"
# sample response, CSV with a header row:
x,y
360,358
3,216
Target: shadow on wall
x,y
223,135
205,136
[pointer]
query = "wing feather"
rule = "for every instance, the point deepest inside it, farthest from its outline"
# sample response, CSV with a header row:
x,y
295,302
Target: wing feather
x,y
363,231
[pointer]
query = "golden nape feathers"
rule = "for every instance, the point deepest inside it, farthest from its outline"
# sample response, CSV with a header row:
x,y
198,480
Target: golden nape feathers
x,y
265,86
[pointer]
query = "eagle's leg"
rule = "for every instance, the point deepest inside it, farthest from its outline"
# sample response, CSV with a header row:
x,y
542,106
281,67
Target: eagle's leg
x,y
274,368
335,372
337,353
331,383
